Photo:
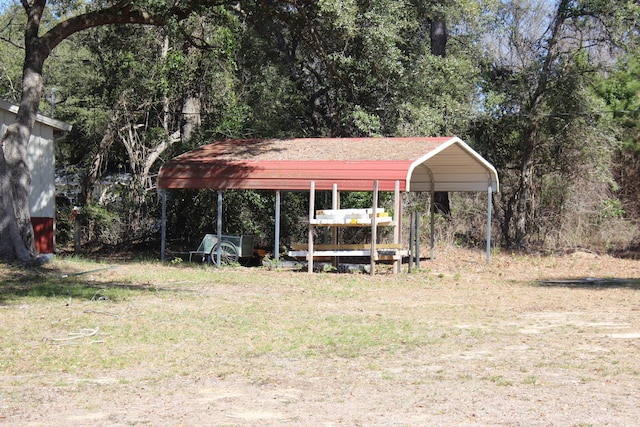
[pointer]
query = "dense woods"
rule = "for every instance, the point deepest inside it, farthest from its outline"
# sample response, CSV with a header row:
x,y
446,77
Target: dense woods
x,y
548,91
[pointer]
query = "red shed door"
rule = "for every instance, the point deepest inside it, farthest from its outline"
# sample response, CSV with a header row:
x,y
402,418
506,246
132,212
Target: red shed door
x,y
43,234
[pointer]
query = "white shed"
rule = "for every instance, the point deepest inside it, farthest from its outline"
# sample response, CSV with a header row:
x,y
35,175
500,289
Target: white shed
x,y
41,161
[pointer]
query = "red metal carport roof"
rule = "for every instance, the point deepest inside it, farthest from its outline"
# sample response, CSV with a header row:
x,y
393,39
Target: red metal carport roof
x,y
418,163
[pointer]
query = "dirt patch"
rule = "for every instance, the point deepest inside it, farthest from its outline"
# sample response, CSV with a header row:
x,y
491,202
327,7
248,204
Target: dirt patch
x,y
524,341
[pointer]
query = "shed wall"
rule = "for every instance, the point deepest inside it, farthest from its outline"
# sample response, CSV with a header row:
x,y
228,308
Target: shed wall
x,y
41,163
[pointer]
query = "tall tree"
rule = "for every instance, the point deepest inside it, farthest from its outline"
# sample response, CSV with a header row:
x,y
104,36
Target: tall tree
x,y
538,124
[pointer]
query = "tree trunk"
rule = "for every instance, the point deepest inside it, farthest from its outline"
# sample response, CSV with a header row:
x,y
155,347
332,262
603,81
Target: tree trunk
x,y
525,184
505,220
15,178
438,33
439,36
12,246
531,135
522,204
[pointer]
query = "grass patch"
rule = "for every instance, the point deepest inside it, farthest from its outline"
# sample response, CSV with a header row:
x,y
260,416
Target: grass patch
x,y
96,333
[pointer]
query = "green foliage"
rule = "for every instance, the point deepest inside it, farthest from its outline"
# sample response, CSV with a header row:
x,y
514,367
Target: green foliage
x,y
439,98
620,92
64,224
269,263
611,208
367,124
11,56
191,214
272,107
102,223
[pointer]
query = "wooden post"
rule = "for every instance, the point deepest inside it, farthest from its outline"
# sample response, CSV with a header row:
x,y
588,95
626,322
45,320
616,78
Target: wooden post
x,y
433,225
335,204
397,231
312,200
374,229
76,230
417,234
412,217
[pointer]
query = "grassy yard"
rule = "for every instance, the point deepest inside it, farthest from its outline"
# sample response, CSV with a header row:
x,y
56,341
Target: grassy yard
x,y
524,341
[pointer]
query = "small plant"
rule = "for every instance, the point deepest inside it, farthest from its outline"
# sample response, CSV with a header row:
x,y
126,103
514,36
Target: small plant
x,y
611,208
269,263
101,224
500,380
329,268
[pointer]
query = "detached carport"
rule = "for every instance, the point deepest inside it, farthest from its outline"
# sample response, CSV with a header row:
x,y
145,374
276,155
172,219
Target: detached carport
x,y
342,164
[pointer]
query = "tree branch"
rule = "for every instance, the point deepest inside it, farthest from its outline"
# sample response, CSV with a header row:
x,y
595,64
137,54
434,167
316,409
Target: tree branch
x,y
123,12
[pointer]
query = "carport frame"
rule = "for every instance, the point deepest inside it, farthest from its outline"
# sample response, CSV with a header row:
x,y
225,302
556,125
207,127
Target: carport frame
x,y
418,163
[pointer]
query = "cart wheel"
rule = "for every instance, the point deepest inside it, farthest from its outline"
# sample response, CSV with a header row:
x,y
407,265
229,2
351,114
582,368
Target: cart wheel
x,y
228,253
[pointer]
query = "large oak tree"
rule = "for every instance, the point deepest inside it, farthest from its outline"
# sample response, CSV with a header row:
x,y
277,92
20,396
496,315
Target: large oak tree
x,y
16,232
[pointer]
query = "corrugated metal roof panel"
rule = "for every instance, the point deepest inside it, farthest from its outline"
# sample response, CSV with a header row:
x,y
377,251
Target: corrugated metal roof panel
x,y
311,149
285,175
351,163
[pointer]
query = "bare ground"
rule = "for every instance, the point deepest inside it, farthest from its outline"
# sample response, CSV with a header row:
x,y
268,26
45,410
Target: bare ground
x,y
526,341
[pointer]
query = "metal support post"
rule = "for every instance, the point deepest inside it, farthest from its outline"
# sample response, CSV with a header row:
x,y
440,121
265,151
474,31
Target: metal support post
x,y
276,246
489,194
163,225
219,230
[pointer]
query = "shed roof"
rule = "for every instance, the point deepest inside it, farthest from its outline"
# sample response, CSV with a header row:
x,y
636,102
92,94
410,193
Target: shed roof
x,y
57,125
352,163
